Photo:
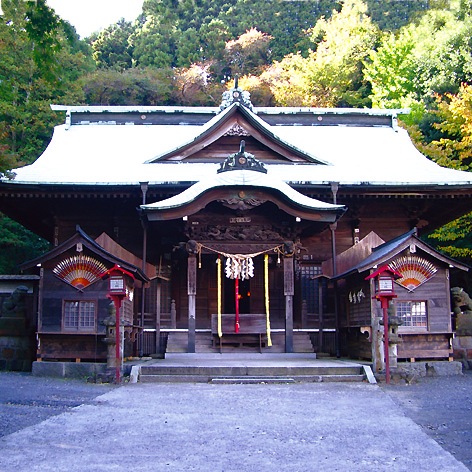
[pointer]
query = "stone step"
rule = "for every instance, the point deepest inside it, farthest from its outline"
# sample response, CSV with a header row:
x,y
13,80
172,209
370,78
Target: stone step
x,y
250,374
251,380
218,370
195,378
177,342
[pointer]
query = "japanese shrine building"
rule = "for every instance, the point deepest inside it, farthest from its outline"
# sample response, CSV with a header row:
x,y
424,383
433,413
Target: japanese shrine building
x,y
267,197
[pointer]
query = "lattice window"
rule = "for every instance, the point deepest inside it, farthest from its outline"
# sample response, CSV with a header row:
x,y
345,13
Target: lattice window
x,y
412,314
309,286
79,315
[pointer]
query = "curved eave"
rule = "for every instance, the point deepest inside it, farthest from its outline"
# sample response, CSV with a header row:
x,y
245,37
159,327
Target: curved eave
x,y
216,127
255,185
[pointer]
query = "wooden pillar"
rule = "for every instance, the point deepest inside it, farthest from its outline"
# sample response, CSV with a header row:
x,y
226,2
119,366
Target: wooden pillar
x,y
158,315
144,223
320,314
333,227
192,292
288,292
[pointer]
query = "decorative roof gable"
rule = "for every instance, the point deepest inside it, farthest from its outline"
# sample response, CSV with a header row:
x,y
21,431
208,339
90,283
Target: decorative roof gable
x,y
221,131
408,241
81,240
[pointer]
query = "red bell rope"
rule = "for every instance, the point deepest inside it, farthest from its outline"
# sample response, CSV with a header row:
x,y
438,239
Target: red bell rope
x,y
236,302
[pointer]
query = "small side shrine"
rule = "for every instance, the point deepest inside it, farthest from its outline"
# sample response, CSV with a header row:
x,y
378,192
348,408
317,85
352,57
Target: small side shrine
x,y
419,312
73,305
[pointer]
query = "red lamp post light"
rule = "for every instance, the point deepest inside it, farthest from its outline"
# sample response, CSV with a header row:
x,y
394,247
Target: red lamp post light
x,y
117,292
384,291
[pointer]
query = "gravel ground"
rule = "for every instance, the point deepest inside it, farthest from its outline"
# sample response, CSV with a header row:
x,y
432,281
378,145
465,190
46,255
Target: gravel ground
x,y
26,400
441,406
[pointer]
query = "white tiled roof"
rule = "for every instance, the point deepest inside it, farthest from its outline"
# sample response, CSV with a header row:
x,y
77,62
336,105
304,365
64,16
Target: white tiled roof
x,y
108,154
240,178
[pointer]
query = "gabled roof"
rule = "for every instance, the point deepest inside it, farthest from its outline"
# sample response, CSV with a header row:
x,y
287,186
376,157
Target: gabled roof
x,y
285,197
390,249
81,237
354,255
111,246
123,146
237,115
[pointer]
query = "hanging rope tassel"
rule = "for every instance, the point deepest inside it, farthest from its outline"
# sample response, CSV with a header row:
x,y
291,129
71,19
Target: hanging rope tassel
x,y
218,278
266,293
236,302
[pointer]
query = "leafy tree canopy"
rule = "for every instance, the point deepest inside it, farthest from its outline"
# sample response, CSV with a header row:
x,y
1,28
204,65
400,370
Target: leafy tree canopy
x,y
430,56
331,74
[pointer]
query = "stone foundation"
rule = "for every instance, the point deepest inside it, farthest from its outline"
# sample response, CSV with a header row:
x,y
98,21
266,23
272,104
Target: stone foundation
x,y
462,346
76,370
411,370
15,352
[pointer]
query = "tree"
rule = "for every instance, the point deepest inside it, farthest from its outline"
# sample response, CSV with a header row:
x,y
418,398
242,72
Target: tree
x,y
143,86
249,53
17,244
391,15
433,55
28,85
42,60
154,43
331,74
111,47
193,86
452,147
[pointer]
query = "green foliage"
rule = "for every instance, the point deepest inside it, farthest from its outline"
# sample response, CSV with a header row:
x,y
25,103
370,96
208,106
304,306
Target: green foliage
x,y
111,47
454,238
179,33
331,74
17,244
425,58
29,84
144,86
451,147
391,15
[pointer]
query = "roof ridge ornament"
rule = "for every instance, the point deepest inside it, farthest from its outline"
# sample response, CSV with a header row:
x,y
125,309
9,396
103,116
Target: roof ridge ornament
x,y
236,95
241,160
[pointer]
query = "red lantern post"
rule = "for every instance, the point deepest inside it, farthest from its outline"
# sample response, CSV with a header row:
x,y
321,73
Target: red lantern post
x,y
117,292
384,292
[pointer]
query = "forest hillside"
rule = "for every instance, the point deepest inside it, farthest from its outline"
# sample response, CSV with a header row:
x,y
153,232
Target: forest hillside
x,y
414,54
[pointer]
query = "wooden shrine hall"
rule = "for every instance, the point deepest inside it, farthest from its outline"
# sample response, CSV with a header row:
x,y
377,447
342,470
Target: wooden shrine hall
x,y
252,228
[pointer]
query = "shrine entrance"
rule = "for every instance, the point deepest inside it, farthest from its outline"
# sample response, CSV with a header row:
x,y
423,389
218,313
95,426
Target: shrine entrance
x,y
243,229
244,296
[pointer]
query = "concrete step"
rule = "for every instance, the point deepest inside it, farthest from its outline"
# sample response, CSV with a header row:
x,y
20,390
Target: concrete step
x,y
251,374
251,380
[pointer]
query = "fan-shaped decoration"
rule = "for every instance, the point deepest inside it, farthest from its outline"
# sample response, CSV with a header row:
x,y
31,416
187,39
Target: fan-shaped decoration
x,y
79,271
414,269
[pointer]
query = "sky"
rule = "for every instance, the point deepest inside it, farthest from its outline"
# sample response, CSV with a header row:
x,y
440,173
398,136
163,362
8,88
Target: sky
x,y
89,16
